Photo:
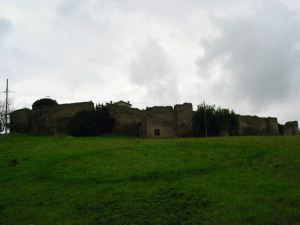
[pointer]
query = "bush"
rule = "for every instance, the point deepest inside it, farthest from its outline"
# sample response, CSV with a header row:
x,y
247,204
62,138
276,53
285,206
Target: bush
x,y
91,122
44,102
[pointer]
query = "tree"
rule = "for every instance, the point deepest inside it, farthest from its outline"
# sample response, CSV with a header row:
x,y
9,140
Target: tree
x,y
91,122
3,111
217,120
104,119
44,102
83,124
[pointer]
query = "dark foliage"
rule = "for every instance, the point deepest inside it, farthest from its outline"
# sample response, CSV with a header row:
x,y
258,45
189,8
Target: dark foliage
x,y
44,102
104,119
83,124
91,122
217,120
280,128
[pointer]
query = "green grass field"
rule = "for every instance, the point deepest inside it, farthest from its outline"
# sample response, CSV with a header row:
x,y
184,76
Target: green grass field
x,y
118,180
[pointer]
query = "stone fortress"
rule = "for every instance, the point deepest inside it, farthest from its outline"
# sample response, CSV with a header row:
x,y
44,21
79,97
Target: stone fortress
x,y
152,122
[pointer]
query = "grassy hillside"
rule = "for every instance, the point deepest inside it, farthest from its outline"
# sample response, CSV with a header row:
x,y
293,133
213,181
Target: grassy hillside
x,y
113,180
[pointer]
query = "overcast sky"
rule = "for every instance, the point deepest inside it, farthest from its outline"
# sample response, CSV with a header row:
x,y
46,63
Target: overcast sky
x,y
241,55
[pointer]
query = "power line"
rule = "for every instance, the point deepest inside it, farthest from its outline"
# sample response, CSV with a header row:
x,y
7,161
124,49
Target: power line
x,y
49,96
83,99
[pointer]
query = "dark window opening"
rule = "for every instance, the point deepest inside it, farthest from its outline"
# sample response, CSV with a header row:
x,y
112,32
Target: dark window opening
x,y
157,132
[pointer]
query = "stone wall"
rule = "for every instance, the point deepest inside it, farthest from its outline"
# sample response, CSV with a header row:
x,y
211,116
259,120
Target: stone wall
x,y
291,128
159,128
20,121
142,123
128,119
47,120
183,117
253,125
163,112
171,122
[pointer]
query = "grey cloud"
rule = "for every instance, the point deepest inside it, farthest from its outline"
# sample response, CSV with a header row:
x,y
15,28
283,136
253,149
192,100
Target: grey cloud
x,y
69,7
152,70
258,53
86,16
5,27
175,9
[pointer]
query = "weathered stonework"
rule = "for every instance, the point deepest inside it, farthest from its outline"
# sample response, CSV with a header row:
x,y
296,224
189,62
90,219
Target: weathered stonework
x,y
291,128
155,127
253,125
128,119
48,120
20,121
183,117
153,122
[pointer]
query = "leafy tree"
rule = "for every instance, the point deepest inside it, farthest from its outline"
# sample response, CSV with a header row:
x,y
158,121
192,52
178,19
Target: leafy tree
x,y
234,124
44,102
217,120
91,122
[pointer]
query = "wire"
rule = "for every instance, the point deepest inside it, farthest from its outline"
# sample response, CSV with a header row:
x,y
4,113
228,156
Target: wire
x,y
48,96
81,99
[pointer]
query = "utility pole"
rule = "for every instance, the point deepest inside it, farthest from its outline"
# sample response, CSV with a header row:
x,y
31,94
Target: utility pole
x,y
6,110
205,119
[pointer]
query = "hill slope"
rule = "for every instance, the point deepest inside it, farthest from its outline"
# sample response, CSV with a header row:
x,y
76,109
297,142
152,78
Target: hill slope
x,y
115,180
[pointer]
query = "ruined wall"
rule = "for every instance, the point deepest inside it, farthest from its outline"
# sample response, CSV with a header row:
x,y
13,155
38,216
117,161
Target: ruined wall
x,y
163,112
291,128
56,118
46,120
183,117
128,120
142,123
159,128
20,121
171,122
253,125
